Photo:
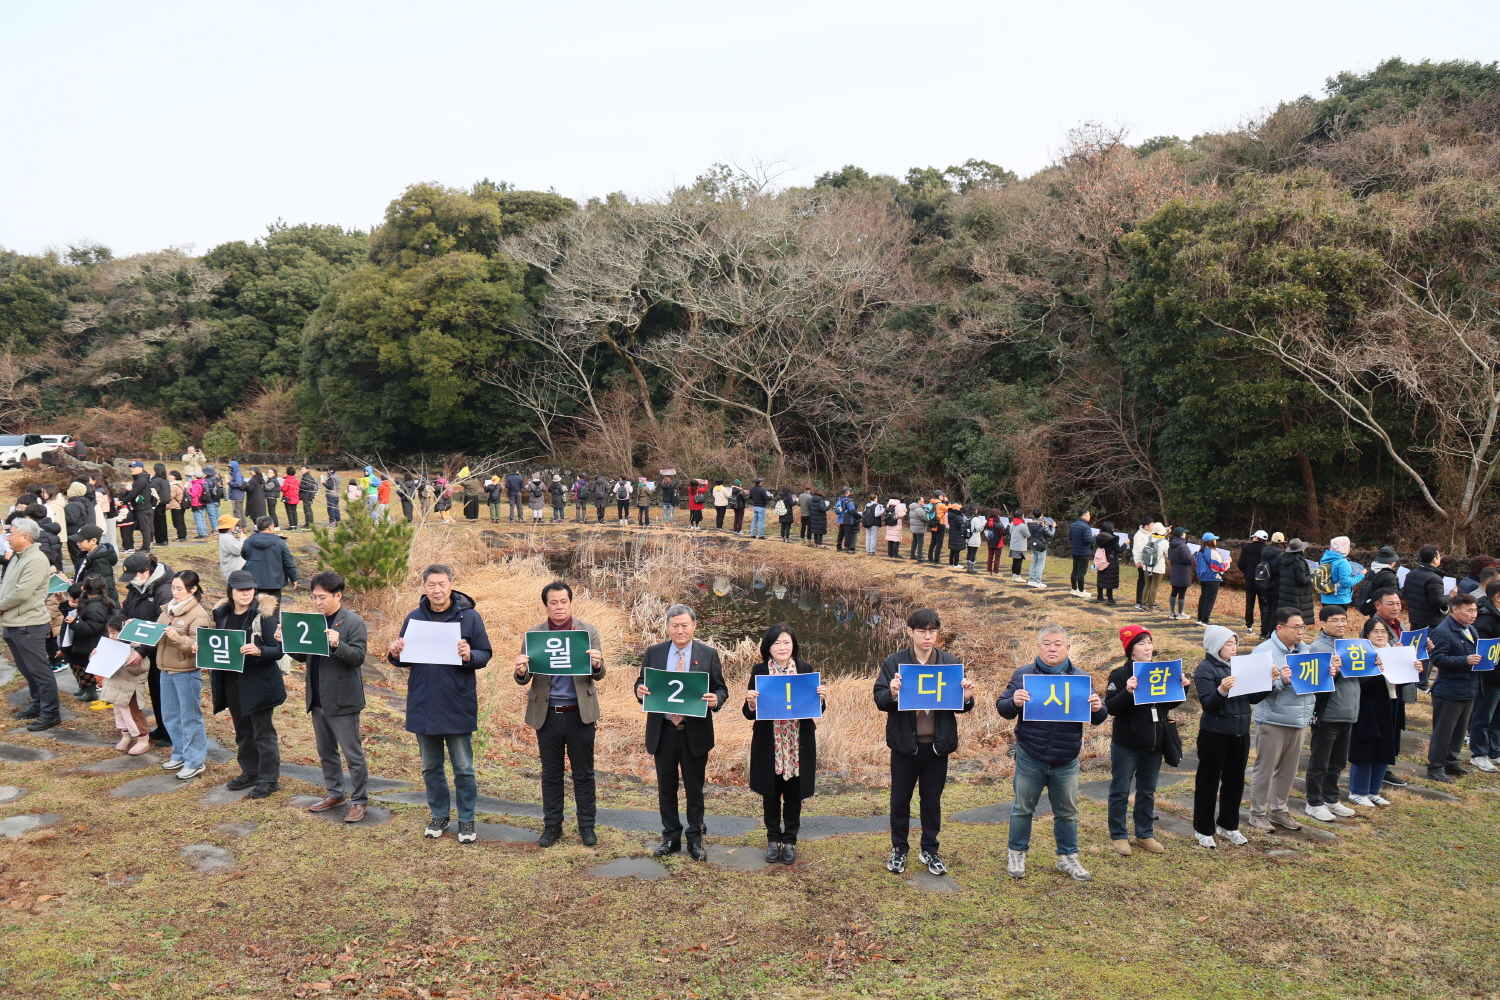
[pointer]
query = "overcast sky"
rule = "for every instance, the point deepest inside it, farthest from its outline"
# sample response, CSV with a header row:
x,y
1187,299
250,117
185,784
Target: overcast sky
x,y
147,124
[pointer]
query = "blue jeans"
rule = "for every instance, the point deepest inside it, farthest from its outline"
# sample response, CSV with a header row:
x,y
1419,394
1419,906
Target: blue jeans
x,y
200,522
1145,767
757,522
667,512
1484,725
1366,779
182,714
1061,784
460,748
211,513
1038,560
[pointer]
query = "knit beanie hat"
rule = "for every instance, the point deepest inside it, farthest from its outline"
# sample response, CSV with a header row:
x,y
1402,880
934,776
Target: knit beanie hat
x,y
1130,633
1214,638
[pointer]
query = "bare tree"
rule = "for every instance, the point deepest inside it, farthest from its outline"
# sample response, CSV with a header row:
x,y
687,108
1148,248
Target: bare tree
x,y
18,397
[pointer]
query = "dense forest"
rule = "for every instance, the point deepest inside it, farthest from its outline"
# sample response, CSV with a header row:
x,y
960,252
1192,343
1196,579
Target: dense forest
x,y
1293,324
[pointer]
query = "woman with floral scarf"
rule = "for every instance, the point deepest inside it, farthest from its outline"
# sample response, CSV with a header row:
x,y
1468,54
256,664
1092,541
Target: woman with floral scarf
x,y
783,752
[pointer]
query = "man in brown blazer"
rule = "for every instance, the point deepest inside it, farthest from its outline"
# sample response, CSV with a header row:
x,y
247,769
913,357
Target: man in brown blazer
x,y
563,710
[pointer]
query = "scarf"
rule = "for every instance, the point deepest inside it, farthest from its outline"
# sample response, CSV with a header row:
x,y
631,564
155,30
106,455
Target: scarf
x,y
787,732
176,608
1061,668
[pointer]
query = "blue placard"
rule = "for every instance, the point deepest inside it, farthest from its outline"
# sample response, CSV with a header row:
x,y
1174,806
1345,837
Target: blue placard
x,y
1489,654
1418,638
1356,658
1057,698
788,696
1159,680
930,688
1311,672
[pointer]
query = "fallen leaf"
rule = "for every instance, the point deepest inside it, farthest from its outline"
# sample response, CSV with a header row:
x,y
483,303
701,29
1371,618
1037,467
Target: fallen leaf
x,y
1202,918
117,987
322,987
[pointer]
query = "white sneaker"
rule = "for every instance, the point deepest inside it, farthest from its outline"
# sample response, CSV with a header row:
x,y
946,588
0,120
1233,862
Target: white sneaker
x,y
190,772
171,765
1362,800
1204,840
1319,813
1015,865
1233,836
1069,866
1040,586
1381,800
1484,764
1339,809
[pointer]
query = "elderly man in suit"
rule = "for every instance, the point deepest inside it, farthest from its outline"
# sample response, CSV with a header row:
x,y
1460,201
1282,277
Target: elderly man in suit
x,y
678,741
563,709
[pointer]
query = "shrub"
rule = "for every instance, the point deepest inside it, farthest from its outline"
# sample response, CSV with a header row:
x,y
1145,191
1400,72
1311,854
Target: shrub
x,y
220,442
165,441
368,554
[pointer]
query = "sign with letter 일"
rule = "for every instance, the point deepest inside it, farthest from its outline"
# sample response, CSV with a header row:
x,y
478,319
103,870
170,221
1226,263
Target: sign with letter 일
x,y
1489,654
304,633
1055,698
788,696
1310,672
1158,681
1357,657
930,688
676,692
559,652
219,649
143,632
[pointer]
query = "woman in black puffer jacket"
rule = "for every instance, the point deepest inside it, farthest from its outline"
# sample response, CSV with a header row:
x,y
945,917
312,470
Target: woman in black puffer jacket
x,y
1294,581
817,516
1223,741
1180,568
1141,735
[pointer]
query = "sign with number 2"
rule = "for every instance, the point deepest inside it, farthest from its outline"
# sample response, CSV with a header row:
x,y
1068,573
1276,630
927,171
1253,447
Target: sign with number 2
x,y
676,692
304,633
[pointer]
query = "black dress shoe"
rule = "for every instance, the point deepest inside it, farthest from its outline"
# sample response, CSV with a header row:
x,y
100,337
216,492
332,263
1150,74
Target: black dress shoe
x,y
788,854
666,847
243,781
1446,779
1457,770
773,853
696,852
549,836
263,789
44,722
587,835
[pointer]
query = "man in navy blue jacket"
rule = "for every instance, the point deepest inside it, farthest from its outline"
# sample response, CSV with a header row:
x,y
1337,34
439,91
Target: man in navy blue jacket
x,y
442,701
1081,548
1455,654
1047,758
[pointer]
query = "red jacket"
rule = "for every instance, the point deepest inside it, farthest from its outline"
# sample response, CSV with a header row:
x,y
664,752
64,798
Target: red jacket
x,y
291,489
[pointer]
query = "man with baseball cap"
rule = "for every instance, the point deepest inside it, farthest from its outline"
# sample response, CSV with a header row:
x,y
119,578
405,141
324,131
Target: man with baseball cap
x,y
1248,560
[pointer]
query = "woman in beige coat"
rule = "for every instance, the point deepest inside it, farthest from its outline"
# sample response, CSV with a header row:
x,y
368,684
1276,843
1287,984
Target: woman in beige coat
x,y
181,680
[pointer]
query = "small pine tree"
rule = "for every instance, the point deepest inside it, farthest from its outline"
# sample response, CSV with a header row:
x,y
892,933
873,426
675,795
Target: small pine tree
x,y
366,553
166,441
220,442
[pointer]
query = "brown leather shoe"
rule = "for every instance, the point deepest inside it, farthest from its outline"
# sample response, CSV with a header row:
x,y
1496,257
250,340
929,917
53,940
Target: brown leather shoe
x,y
356,813
326,803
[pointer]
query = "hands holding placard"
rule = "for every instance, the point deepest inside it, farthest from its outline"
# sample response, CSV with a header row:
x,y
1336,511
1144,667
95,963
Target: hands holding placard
x,y
966,684
752,696
641,691
1022,696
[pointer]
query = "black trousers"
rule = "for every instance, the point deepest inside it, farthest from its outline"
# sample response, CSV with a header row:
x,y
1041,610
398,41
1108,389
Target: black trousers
x,y
179,521
255,736
159,531
1267,614
565,732
783,811
803,523
927,772
934,544
953,557
600,508
845,534
291,514
1140,590
1015,565
145,523
1450,723
1329,754
1208,594
786,530
1220,782
643,516
153,687
623,510
893,550
1250,601
671,755
719,513
1080,575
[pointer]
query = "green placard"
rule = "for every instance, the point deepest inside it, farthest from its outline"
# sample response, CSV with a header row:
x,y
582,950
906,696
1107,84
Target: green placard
x,y
57,585
677,692
219,649
303,632
143,632
559,652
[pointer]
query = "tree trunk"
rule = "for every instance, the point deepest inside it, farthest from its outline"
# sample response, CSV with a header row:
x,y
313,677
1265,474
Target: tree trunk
x,y
1314,515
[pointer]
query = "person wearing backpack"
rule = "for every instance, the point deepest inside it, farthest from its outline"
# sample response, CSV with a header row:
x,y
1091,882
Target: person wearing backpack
x,y
697,491
870,516
669,504
536,498
977,519
1335,578
994,538
1249,559
737,504
1268,581
581,496
937,524
601,496
786,503
1042,529
271,489
1151,560
1210,564
1107,564
916,516
891,517
1018,536
622,491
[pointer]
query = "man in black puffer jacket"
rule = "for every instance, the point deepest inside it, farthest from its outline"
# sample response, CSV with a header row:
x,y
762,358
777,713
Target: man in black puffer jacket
x,y
51,540
1047,758
1294,581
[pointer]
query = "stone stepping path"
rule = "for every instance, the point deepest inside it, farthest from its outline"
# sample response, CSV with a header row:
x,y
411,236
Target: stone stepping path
x,y
999,813
923,879
644,869
492,833
13,754
221,795
374,815
152,784
17,826
210,858
12,793
119,765
242,829
21,697
314,776
75,737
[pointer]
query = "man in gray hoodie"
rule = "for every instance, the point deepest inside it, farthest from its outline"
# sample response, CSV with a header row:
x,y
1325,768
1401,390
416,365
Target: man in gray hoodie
x,y
1334,714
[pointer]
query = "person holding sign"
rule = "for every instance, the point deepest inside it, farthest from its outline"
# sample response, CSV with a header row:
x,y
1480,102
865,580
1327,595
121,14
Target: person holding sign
x,y
1223,741
252,693
125,691
1143,733
1484,726
442,699
1279,722
1046,758
335,694
1455,654
783,751
181,680
562,707
680,741
1334,713
920,742
1375,739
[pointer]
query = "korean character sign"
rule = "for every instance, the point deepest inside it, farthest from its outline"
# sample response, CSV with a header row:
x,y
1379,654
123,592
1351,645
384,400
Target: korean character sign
x,y
143,633
1417,638
1489,654
219,649
930,688
1158,681
1057,698
1357,657
559,653
1311,672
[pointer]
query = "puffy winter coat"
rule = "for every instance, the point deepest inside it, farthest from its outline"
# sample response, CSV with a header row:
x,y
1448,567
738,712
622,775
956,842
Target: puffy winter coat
x,y
1344,577
1136,727
1294,587
1284,706
1049,742
442,698
1080,538
1180,562
1423,596
1226,714
260,687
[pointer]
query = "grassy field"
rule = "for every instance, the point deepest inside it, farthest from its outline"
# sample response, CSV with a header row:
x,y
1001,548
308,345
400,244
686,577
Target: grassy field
x,y
103,904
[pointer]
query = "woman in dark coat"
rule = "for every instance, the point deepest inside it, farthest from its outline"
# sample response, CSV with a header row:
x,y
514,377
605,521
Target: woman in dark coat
x,y
1294,581
1267,590
252,696
1180,568
1108,578
1375,739
163,487
255,496
788,507
958,532
148,589
783,753
817,517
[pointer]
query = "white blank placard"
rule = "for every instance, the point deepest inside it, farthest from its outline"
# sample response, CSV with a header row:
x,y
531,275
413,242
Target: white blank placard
x,y
109,657
1398,663
431,642
1251,673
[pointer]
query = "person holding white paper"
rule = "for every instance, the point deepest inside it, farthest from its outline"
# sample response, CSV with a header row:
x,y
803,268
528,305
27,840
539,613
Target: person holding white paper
x,y
783,752
442,701
125,690
1279,722
1376,738
1223,741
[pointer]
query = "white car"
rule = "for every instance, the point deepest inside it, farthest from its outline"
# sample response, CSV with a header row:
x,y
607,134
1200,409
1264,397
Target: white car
x,y
18,448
